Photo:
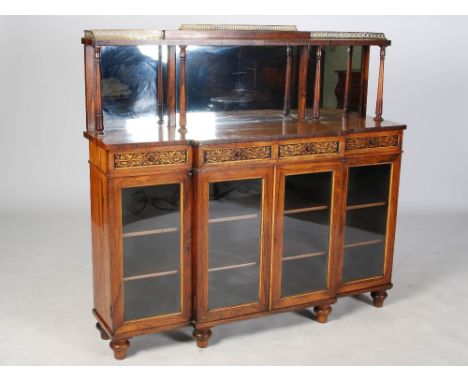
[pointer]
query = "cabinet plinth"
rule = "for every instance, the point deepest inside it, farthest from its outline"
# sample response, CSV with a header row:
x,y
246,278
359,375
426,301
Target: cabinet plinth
x,y
257,203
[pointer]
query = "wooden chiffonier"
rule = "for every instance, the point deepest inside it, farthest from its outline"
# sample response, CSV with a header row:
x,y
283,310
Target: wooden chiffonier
x,y
225,183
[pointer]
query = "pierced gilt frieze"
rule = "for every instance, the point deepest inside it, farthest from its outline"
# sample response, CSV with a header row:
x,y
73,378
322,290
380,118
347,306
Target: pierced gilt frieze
x,y
372,142
151,158
311,148
237,154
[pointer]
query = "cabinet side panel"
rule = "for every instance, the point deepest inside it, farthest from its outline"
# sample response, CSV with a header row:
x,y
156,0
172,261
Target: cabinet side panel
x,y
101,271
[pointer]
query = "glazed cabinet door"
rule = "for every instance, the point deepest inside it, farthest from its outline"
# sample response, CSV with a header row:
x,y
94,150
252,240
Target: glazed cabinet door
x,y
371,193
152,267
304,241
233,233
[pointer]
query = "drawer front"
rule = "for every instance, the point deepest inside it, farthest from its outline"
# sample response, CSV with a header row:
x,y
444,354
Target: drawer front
x,y
300,150
150,160
371,143
211,155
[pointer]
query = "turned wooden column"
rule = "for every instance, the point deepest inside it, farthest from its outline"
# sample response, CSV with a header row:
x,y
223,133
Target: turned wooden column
x,y
322,312
160,86
364,80
318,80
202,337
97,93
302,85
379,103
287,84
120,348
171,85
182,91
349,68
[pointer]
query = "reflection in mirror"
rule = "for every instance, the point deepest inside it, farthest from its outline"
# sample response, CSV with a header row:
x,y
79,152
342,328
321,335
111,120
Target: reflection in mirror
x,y
229,78
129,80
334,77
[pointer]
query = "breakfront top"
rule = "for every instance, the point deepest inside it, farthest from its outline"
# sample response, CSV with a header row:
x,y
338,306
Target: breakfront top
x,y
210,83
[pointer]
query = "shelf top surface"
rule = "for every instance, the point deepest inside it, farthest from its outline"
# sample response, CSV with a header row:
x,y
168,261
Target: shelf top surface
x,y
232,127
230,34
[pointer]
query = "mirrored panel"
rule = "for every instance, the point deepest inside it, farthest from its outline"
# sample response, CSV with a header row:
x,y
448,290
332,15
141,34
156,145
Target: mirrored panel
x,y
151,250
230,78
335,60
366,222
306,229
234,237
129,80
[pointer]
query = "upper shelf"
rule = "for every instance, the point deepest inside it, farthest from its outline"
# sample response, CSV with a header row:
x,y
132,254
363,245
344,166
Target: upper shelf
x,y
227,34
235,126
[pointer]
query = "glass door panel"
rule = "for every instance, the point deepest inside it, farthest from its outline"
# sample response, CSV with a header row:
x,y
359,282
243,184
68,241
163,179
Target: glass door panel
x,y
234,237
151,225
366,222
306,231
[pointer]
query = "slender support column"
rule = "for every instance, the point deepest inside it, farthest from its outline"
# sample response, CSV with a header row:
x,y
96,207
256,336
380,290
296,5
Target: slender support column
x,y
349,68
160,86
97,94
379,103
364,80
182,91
302,86
378,298
171,85
318,80
287,84
202,337
322,312
120,348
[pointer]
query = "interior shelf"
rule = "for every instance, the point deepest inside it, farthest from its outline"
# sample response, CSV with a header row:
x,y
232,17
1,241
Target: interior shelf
x,y
235,266
364,243
305,209
305,234
150,275
365,205
304,255
233,218
356,237
149,232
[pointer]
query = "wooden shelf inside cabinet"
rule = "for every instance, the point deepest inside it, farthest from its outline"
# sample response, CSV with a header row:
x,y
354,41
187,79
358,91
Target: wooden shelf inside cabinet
x,y
305,209
235,266
150,275
233,218
363,243
150,232
304,256
365,205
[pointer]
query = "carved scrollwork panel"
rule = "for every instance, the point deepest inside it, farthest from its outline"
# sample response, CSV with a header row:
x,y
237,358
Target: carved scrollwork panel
x,y
372,142
311,148
150,158
236,154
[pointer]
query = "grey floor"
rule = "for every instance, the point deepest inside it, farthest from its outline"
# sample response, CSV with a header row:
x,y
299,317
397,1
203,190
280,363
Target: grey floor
x,y
45,307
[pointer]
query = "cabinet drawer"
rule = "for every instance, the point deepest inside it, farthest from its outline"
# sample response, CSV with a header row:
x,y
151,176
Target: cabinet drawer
x,y
240,153
150,159
388,141
306,149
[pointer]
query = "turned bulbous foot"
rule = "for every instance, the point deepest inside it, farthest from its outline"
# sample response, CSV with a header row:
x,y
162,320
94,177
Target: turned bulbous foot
x,y
202,337
104,335
378,297
322,312
120,348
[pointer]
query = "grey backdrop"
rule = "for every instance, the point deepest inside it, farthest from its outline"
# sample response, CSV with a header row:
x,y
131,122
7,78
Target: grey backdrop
x,y
43,155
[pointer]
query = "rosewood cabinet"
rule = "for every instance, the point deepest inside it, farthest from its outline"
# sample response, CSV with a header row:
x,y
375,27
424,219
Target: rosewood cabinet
x,y
221,190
